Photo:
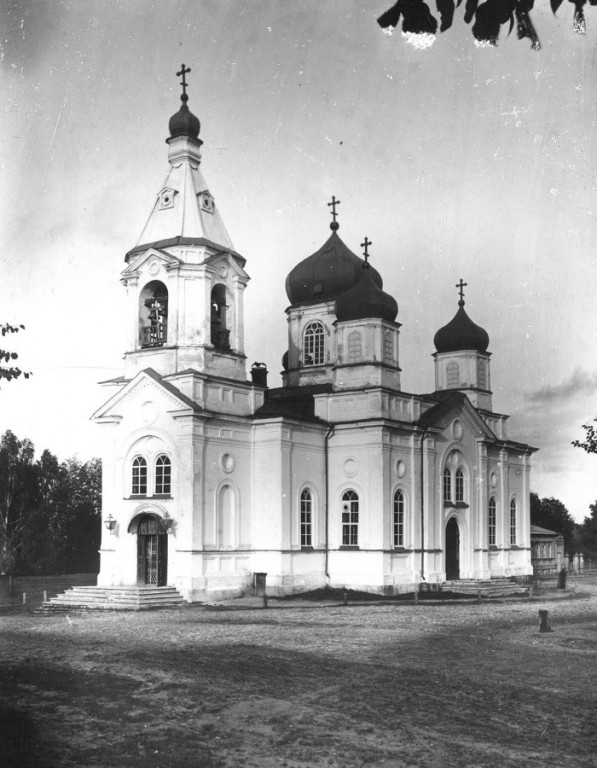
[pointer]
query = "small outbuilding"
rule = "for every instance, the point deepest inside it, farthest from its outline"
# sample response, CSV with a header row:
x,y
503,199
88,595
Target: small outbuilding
x,y
547,551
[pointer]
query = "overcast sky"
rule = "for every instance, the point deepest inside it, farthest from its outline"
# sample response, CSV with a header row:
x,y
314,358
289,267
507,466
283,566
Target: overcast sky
x,y
456,161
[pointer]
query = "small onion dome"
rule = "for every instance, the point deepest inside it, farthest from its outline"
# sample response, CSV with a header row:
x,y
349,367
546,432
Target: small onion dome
x,y
327,273
460,334
366,299
184,123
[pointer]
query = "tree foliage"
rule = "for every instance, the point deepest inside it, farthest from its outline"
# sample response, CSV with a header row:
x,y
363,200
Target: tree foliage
x,y
551,513
49,511
487,18
9,372
587,534
589,444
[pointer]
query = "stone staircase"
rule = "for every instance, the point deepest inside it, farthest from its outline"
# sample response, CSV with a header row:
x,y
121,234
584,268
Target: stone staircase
x,y
114,599
489,588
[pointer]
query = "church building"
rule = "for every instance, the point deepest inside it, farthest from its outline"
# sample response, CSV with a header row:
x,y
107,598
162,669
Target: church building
x,y
337,477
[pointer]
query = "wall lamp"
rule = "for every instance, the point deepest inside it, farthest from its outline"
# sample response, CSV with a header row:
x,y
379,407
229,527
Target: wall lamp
x,y
110,524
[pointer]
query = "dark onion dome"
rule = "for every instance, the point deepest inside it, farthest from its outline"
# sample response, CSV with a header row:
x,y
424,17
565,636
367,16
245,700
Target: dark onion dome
x,y
365,300
461,334
184,123
327,273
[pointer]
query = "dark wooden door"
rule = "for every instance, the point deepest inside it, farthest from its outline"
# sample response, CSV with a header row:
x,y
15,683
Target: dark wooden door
x,y
452,550
152,554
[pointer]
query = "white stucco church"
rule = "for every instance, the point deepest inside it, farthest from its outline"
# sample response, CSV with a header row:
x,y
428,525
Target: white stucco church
x,y
336,478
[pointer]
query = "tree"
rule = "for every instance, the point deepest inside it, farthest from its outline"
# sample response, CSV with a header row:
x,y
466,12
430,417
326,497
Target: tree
x,y
551,513
589,444
10,372
587,534
487,17
19,497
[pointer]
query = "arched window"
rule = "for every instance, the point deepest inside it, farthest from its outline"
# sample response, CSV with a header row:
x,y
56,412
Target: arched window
x,y
313,344
306,518
153,315
398,519
491,521
220,335
225,517
350,519
447,485
513,522
163,475
139,477
355,351
459,485
452,375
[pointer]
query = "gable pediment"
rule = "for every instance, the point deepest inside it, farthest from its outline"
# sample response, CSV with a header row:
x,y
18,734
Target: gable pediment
x,y
149,257
227,260
149,393
457,407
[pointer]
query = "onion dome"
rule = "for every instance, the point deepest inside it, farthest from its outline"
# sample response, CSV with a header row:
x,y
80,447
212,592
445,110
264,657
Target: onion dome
x,y
327,273
366,299
461,334
184,123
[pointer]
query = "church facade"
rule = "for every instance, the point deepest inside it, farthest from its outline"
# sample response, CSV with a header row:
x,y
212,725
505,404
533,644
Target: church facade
x,y
337,477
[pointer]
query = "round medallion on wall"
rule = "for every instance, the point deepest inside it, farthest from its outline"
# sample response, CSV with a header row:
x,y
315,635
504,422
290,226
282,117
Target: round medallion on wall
x,y
149,412
227,462
223,272
154,267
350,467
457,430
493,479
400,468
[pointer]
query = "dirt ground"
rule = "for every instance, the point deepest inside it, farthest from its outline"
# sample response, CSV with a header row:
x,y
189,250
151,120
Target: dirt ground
x,y
304,684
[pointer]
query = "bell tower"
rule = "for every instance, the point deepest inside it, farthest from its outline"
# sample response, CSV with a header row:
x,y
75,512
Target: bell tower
x,y
184,280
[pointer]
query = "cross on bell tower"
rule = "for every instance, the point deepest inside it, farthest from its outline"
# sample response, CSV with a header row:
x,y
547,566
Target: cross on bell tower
x,y
183,71
334,225
365,244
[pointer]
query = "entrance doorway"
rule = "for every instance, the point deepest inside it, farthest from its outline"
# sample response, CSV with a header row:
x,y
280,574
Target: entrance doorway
x,y
452,550
152,553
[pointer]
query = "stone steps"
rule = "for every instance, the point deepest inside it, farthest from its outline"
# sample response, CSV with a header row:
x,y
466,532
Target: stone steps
x,y
489,588
114,599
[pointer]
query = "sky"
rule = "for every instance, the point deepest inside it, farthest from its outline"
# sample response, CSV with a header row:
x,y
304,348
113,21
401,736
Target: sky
x,y
456,161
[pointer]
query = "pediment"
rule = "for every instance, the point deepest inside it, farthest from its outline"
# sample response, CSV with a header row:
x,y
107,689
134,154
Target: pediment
x,y
147,393
151,255
226,260
456,407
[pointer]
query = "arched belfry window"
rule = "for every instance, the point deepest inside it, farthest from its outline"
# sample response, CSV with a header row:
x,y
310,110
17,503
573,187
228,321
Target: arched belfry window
x,y
153,315
399,508
163,475
350,519
220,333
139,477
314,344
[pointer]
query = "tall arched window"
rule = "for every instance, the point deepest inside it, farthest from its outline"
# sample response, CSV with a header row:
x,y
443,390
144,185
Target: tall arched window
x,y
314,344
153,315
447,485
513,522
452,375
225,518
163,475
399,519
350,519
491,521
220,335
459,485
139,477
306,518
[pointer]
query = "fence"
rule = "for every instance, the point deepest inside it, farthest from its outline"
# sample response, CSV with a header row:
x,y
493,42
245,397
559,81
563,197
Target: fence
x,y
16,590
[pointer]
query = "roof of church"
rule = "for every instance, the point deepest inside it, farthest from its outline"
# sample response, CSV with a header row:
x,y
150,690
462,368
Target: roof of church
x,y
327,273
461,334
174,241
291,402
366,299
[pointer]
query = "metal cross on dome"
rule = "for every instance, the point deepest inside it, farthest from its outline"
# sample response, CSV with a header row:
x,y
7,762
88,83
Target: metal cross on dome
x,y
334,203
183,71
461,285
365,244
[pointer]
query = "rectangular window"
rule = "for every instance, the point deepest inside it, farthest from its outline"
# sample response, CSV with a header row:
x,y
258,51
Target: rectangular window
x,y
350,529
388,346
